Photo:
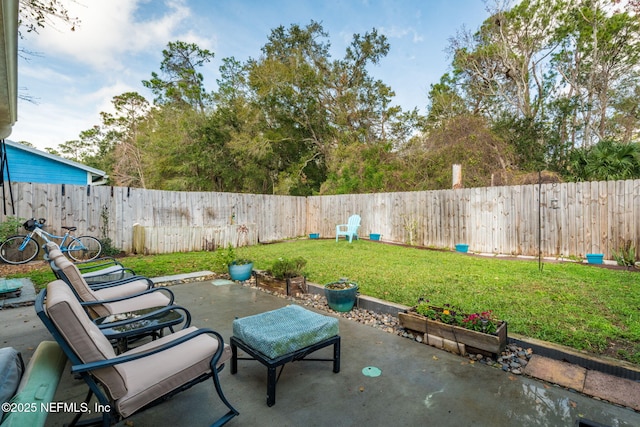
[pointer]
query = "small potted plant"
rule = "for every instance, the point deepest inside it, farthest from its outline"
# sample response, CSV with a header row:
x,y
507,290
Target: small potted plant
x,y
291,270
341,295
286,268
239,268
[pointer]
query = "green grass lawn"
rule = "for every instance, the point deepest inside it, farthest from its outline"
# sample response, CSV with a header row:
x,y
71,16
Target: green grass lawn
x,y
581,306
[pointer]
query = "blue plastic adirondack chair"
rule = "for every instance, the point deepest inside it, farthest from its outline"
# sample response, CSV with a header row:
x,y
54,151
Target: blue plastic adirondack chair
x,y
350,229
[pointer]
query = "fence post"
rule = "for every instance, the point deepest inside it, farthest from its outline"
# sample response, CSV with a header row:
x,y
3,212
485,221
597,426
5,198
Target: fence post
x,y
138,239
456,172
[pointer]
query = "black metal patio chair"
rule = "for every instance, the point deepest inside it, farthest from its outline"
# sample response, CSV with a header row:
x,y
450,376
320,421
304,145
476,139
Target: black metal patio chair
x,y
128,383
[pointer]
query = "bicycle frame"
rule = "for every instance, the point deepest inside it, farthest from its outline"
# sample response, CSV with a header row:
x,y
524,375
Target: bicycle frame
x,y
47,237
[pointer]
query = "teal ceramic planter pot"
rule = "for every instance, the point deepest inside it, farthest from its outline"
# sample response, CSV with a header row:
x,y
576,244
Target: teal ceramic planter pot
x,y
314,235
595,258
240,272
341,296
374,236
462,248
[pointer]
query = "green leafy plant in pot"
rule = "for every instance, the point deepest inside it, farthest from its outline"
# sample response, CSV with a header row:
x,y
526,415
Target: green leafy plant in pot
x,y
341,295
239,268
286,268
291,271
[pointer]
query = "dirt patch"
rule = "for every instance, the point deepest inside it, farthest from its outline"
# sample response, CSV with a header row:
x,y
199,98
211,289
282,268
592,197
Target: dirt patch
x,y
9,269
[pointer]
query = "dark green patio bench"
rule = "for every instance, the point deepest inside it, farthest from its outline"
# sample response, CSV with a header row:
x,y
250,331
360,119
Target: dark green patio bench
x,y
38,384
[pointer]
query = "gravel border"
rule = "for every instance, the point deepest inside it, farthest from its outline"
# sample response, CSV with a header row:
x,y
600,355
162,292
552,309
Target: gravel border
x,y
512,360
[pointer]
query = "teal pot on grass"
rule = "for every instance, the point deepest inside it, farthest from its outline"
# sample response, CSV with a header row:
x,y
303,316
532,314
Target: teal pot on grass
x,y
314,235
341,296
461,247
374,236
240,272
595,258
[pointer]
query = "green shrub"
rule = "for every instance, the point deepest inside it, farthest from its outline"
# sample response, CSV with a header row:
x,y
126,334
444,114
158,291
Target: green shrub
x,y
288,267
626,255
10,227
108,249
227,256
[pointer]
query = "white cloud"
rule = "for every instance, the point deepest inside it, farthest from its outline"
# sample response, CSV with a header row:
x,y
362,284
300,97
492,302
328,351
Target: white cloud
x,y
57,124
399,33
108,30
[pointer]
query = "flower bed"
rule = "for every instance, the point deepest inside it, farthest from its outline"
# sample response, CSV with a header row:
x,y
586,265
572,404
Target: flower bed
x,y
448,328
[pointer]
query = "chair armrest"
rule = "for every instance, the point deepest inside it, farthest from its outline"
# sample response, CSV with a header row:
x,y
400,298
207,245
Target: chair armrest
x,y
109,277
126,297
124,322
124,281
96,263
85,367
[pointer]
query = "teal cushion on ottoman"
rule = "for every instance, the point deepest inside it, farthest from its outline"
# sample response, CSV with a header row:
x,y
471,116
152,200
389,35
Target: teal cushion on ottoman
x,y
285,330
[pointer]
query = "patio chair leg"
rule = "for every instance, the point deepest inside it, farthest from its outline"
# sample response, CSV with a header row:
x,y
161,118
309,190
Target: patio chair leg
x,y
105,420
336,356
232,411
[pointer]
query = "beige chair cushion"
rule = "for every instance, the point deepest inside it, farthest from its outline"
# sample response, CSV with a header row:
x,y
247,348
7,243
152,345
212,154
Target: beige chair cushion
x,y
152,377
75,278
131,288
83,336
154,299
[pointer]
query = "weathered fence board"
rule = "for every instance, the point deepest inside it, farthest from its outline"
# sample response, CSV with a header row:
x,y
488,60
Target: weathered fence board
x,y
154,240
554,219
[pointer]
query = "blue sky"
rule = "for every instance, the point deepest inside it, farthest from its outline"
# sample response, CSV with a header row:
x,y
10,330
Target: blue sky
x,y
119,43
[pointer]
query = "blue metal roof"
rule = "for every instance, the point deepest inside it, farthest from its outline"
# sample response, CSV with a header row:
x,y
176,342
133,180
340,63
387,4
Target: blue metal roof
x,y
27,164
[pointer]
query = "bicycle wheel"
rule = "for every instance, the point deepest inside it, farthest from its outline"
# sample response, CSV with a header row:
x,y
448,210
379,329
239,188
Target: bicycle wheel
x,y
11,253
84,248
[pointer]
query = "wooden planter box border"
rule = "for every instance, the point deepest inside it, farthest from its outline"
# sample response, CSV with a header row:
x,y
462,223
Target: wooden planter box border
x,y
292,285
478,340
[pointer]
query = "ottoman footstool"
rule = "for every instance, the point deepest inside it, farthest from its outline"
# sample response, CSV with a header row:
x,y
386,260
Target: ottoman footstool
x,y
280,336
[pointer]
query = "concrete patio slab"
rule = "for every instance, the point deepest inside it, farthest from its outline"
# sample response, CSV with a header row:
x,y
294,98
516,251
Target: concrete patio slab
x,y
417,384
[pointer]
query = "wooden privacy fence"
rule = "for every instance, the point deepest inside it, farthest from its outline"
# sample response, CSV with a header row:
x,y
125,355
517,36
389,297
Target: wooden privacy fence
x,y
113,211
569,219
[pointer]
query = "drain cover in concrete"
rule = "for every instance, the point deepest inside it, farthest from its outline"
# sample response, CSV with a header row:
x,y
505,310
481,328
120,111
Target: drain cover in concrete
x,y
222,282
371,371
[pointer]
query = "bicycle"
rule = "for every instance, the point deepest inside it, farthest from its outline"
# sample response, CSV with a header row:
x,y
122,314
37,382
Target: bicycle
x,y
21,249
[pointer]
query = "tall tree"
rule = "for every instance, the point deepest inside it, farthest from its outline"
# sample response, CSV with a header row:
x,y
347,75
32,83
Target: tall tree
x,y
316,107
503,64
120,137
180,81
600,55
